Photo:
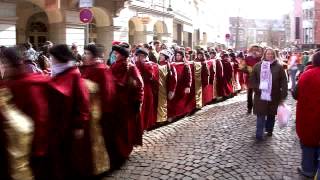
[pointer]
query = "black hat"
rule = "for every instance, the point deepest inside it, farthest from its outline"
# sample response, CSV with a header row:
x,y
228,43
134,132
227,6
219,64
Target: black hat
x,y
212,51
142,51
12,56
122,48
95,49
61,53
200,52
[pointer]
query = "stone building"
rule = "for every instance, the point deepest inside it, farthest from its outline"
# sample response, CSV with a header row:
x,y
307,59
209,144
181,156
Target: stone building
x,y
134,21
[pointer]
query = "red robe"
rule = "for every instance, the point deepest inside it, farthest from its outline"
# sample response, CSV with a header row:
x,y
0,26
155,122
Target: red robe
x,y
220,79
227,78
70,156
207,81
126,130
308,113
183,103
102,75
236,73
150,75
172,76
208,93
29,95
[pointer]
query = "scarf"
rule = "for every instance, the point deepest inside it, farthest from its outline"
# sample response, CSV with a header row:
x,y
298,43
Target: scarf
x,y
265,80
61,67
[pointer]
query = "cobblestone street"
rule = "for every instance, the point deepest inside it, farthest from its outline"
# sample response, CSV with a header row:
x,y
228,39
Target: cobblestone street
x,y
216,142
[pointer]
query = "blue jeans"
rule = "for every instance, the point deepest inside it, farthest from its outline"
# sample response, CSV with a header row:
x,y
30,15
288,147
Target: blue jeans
x,y
264,122
310,160
293,74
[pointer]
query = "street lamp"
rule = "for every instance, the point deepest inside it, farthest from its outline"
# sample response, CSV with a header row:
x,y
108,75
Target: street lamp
x,y
169,8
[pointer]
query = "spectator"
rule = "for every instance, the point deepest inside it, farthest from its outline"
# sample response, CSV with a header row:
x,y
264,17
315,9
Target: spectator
x,y
269,83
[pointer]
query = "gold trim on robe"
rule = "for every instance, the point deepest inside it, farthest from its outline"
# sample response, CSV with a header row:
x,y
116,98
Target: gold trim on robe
x,y
100,155
162,114
214,80
198,84
19,130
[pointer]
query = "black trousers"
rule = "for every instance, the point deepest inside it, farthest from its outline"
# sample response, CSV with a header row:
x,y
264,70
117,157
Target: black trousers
x,y
250,99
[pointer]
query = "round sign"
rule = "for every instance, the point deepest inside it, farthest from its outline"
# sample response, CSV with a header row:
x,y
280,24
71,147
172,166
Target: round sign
x,y
227,36
86,15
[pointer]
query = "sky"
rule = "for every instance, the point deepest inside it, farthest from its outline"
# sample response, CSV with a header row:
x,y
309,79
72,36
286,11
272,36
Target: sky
x,y
219,11
256,9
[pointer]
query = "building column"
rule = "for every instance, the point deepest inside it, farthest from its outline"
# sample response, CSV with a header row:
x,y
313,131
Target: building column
x,y
140,37
57,33
105,36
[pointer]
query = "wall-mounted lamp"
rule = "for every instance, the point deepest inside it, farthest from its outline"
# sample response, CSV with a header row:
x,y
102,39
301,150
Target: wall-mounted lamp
x,y
169,8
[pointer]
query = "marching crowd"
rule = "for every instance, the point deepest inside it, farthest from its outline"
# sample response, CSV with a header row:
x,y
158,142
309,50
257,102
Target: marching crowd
x,y
70,116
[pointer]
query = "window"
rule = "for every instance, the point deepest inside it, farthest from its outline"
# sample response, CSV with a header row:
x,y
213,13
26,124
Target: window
x,y
297,28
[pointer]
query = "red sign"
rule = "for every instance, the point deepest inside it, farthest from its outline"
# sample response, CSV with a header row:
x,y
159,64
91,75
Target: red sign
x,y
227,36
86,15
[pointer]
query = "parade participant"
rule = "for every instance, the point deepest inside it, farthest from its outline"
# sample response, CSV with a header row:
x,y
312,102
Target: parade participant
x,y
219,75
172,73
95,70
187,75
235,79
125,131
254,56
212,71
157,49
150,79
269,82
188,54
227,75
69,119
307,118
205,72
29,96
242,75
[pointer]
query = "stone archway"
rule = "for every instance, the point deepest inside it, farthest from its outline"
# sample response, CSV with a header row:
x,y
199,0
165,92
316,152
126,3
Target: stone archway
x,y
160,30
37,29
52,19
136,31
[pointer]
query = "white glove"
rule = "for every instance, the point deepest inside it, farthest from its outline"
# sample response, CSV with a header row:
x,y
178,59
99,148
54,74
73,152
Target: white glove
x,y
170,95
79,133
187,90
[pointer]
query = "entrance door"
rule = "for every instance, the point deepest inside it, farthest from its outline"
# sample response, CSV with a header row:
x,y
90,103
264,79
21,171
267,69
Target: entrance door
x,y
37,40
37,30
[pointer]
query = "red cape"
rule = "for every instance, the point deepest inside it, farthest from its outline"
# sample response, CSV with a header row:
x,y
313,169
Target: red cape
x,y
308,112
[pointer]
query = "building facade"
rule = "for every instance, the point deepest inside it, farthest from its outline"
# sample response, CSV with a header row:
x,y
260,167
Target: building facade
x,y
305,23
245,32
134,21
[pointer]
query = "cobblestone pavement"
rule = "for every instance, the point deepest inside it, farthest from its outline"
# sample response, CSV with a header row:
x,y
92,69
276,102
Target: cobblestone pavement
x,y
217,142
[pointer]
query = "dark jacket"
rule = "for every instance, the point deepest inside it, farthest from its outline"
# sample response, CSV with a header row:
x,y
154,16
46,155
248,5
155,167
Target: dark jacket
x,y
279,89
